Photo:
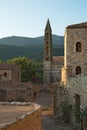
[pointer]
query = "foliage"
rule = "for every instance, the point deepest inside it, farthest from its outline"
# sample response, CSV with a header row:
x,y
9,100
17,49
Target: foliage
x,y
29,68
20,99
11,47
85,117
1,61
66,110
77,112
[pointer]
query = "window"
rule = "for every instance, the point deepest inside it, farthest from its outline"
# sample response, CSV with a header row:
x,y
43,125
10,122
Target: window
x,y
0,77
78,70
18,74
46,58
47,35
5,74
77,107
46,50
47,43
78,47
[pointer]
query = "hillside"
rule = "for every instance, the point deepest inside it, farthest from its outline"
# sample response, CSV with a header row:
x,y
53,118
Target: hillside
x,y
32,47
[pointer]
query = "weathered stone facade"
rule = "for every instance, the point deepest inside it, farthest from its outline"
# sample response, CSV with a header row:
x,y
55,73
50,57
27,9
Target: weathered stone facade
x,y
11,87
52,65
47,73
74,74
75,57
57,64
9,74
19,93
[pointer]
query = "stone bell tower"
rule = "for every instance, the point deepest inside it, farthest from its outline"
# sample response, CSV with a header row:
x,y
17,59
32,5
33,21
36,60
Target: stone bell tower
x,y
47,72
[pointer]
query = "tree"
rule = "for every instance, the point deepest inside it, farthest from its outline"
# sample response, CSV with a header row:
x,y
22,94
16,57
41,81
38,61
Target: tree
x,y
29,68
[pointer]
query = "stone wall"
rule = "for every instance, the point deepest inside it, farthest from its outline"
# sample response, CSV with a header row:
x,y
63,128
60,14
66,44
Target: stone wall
x,y
10,75
74,84
30,121
60,96
47,71
57,64
63,75
78,85
52,72
73,58
5,78
17,94
56,72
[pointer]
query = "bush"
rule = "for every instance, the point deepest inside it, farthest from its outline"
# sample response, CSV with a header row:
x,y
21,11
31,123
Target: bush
x,y
66,110
20,99
85,117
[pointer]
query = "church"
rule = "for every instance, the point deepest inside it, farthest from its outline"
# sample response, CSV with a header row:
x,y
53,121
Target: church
x,y
71,74
52,64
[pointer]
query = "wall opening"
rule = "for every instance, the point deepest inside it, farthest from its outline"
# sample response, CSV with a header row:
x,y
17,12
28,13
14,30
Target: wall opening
x,y
78,47
77,108
78,70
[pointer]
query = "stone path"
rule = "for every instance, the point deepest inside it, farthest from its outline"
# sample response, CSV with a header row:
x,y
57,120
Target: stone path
x,y
49,122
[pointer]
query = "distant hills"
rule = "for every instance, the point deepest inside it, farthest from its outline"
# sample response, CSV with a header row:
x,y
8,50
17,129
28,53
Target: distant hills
x,y
15,46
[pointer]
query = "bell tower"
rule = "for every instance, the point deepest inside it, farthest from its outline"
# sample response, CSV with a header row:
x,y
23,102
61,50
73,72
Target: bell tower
x,y
47,76
48,42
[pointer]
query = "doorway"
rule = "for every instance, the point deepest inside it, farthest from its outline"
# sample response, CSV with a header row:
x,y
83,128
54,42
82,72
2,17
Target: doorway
x,y
77,108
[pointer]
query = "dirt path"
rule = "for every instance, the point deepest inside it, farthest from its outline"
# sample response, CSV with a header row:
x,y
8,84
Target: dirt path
x,y
49,122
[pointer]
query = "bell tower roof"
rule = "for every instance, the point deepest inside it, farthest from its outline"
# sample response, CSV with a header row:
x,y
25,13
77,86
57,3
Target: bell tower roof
x,y
48,27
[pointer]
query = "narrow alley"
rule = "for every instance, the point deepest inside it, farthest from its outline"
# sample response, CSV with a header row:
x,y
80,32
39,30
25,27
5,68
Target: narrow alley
x,y
49,122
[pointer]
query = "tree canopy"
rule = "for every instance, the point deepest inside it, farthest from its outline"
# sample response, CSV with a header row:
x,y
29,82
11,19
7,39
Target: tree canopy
x,y
29,68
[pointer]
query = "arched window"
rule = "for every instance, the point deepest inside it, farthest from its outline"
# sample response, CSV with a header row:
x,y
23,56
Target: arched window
x,y
78,70
78,47
5,74
47,35
46,58
47,43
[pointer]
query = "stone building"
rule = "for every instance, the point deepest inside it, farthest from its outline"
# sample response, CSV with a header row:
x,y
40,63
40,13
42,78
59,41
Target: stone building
x,y
52,65
57,64
9,75
11,87
72,90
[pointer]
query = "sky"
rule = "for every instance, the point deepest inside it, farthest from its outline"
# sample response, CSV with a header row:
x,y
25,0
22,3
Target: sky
x,y
28,17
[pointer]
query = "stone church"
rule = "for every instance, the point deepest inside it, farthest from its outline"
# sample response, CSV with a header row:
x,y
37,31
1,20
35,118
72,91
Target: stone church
x,y
70,100
52,64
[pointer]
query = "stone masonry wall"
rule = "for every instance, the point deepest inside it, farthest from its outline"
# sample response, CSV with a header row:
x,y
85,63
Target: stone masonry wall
x,y
78,85
56,72
74,84
73,58
31,121
17,94
60,96
47,72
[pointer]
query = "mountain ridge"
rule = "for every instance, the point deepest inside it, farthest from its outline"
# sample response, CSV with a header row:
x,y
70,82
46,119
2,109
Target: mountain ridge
x,y
15,46
15,39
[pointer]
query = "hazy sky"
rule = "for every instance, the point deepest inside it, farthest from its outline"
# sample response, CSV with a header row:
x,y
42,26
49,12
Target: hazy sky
x,y
28,17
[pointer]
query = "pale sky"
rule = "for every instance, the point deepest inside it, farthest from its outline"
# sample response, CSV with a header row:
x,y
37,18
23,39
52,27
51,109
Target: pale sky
x,y
28,17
